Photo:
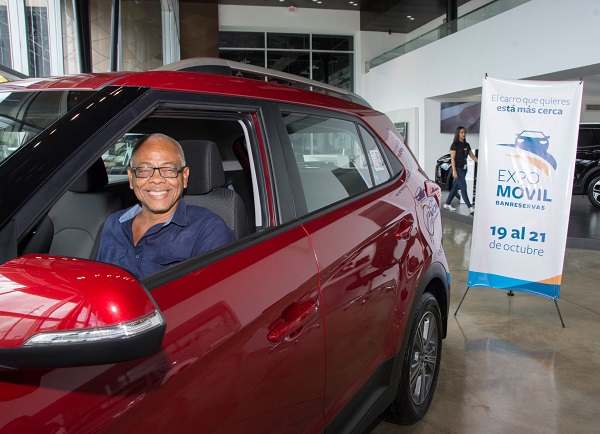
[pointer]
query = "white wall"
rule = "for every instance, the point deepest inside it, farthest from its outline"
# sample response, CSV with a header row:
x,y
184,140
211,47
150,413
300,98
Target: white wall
x,y
537,38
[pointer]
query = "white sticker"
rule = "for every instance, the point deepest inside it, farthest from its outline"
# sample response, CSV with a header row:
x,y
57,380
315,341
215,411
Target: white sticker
x,y
376,159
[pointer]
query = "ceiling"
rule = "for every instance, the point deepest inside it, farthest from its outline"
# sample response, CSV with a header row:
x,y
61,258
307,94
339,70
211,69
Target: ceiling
x,y
375,15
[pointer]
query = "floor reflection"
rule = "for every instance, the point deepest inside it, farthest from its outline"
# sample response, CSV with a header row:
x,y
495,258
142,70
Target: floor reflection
x,y
508,365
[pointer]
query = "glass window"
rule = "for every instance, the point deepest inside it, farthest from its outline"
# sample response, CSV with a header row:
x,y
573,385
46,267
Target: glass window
x,y
250,57
588,138
293,62
333,68
296,54
376,160
332,43
330,158
241,40
288,41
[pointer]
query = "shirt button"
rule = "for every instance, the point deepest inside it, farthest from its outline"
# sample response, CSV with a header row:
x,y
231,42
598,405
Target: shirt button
x,y
137,256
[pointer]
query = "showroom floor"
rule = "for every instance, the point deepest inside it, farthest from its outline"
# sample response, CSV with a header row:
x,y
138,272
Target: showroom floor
x,y
508,366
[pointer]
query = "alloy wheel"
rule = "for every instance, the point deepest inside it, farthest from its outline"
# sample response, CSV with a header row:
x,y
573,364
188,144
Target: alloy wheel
x,y
424,358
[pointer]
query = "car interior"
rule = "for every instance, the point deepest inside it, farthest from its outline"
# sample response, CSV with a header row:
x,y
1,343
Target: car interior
x,y
221,180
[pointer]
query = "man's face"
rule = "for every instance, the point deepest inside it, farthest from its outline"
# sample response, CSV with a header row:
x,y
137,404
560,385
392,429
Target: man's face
x,y
158,195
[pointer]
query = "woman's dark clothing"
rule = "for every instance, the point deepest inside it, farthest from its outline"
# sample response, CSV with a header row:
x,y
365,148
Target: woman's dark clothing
x,y
462,152
460,159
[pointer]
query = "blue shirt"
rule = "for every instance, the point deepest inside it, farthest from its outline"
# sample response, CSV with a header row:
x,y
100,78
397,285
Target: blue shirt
x,y
191,231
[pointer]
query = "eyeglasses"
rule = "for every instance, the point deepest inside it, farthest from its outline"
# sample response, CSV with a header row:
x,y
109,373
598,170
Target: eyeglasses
x,y
165,172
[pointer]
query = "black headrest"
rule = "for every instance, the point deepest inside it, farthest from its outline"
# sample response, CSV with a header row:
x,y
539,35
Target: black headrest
x,y
206,167
95,178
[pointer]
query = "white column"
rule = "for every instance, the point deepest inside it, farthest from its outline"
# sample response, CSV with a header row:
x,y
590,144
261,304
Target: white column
x,y
18,36
55,38
170,33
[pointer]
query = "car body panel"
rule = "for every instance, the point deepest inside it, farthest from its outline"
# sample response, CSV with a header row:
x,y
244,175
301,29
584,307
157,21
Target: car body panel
x,y
218,320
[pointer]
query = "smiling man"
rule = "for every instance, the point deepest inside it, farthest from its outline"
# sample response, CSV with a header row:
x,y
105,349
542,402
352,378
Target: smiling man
x,y
161,230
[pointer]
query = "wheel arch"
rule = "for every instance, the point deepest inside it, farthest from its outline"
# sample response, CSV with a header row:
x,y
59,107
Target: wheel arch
x,y
436,281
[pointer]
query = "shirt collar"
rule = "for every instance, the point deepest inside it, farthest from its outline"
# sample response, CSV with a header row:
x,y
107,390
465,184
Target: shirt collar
x,y
179,217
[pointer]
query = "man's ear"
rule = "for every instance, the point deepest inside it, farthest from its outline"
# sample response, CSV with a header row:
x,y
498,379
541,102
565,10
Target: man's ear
x,y
185,174
130,176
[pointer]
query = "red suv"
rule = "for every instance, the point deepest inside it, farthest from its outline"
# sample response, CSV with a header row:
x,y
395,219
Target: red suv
x,y
328,310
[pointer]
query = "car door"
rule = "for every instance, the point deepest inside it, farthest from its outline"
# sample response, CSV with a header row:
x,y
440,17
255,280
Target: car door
x,y
244,344
365,240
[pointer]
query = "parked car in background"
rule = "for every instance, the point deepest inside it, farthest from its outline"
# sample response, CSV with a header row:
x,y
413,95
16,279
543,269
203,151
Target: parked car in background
x,y
443,172
586,178
327,311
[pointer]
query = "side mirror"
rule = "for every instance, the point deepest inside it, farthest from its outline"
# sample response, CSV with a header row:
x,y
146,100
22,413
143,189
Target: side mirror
x,y
61,312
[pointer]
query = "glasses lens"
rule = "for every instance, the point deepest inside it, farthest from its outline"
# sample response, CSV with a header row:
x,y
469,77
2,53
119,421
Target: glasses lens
x,y
144,172
147,172
168,172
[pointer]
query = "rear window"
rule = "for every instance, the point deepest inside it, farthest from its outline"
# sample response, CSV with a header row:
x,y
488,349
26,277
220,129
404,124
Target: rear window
x,y
336,159
589,137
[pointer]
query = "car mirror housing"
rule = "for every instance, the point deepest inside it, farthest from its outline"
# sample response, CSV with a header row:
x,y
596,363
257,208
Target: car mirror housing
x,y
63,312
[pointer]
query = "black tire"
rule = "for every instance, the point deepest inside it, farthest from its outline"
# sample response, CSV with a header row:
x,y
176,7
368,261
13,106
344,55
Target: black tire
x,y
593,191
421,362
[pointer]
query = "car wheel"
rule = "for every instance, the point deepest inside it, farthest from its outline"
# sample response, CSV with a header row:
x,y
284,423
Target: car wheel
x,y
420,366
593,191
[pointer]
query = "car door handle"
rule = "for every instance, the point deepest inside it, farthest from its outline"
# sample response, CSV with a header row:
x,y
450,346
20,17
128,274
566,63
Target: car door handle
x,y
294,317
405,227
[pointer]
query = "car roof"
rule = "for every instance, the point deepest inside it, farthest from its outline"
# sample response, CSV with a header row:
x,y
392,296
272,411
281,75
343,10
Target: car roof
x,y
189,82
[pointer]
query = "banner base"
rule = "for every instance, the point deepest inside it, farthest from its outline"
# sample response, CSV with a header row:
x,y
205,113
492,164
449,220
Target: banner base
x,y
511,294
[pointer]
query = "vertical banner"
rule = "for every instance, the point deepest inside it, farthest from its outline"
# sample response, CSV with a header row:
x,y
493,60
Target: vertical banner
x,y
527,153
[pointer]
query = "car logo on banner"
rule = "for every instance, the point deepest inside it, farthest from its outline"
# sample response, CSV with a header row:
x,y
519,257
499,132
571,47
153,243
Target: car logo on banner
x,y
536,143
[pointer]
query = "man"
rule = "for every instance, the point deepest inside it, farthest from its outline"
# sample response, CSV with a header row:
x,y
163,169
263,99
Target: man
x,y
161,230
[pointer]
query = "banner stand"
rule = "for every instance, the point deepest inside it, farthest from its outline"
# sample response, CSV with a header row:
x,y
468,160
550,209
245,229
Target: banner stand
x,y
510,293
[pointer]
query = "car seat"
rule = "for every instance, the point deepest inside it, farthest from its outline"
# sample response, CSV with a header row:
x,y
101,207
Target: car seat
x,y
206,185
73,224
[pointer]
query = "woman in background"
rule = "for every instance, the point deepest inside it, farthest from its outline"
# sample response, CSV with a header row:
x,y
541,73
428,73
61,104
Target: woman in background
x,y
459,150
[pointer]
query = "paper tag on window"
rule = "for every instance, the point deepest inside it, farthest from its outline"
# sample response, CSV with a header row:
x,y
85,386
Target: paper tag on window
x,y
376,159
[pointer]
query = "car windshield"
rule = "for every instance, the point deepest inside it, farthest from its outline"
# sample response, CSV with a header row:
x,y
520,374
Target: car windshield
x,y
533,134
25,114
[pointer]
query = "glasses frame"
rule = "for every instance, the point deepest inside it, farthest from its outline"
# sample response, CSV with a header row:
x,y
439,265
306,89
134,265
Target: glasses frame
x,y
178,170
